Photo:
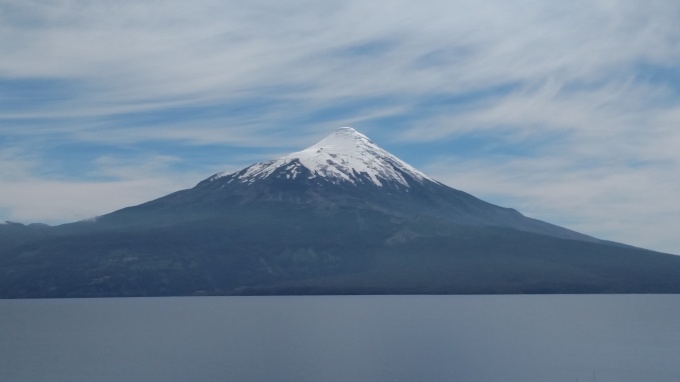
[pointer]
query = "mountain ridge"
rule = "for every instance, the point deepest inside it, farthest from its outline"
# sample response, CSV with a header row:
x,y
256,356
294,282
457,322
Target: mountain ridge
x,y
343,216
347,156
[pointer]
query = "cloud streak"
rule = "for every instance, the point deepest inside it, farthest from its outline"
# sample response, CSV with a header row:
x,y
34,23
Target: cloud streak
x,y
579,99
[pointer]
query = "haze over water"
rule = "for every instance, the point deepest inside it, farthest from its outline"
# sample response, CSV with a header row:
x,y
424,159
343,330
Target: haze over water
x,y
343,338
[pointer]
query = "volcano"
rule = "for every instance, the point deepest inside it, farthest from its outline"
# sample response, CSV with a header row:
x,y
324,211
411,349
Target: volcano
x,y
343,216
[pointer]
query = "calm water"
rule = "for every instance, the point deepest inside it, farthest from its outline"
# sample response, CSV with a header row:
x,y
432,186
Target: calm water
x,y
372,338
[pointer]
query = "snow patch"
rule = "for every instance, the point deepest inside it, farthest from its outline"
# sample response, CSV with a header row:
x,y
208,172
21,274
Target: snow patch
x,y
344,156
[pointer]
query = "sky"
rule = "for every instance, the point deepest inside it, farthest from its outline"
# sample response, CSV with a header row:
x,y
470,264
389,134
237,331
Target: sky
x,y
568,111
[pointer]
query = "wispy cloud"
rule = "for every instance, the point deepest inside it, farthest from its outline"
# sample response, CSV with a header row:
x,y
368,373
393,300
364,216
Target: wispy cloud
x,y
29,192
580,99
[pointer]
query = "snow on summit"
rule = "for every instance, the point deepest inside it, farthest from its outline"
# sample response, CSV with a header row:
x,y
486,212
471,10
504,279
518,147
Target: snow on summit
x,y
344,155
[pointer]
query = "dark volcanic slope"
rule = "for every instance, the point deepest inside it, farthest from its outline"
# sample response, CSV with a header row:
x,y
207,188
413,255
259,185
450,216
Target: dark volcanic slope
x,y
345,169
343,216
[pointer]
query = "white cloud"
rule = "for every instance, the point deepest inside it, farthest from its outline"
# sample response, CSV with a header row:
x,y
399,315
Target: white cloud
x,y
627,204
29,198
604,166
54,202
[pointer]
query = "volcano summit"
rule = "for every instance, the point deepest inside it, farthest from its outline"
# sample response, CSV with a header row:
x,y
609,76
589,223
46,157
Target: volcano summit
x,y
344,156
343,216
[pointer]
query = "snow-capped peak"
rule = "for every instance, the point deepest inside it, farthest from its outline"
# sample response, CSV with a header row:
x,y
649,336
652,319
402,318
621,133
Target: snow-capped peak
x,y
344,156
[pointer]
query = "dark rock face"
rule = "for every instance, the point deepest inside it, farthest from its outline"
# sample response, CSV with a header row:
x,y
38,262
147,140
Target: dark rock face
x,y
342,217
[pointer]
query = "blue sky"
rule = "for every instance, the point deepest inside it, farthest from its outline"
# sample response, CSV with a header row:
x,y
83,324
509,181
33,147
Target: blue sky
x,y
566,111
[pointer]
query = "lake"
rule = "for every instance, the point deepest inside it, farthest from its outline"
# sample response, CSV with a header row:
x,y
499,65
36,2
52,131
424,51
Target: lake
x,y
526,338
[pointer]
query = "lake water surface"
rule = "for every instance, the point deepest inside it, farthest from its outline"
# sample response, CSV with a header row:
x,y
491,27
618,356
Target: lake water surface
x,y
615,338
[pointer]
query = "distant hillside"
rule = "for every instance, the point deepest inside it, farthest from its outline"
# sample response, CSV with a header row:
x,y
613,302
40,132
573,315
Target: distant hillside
x,y
341,217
